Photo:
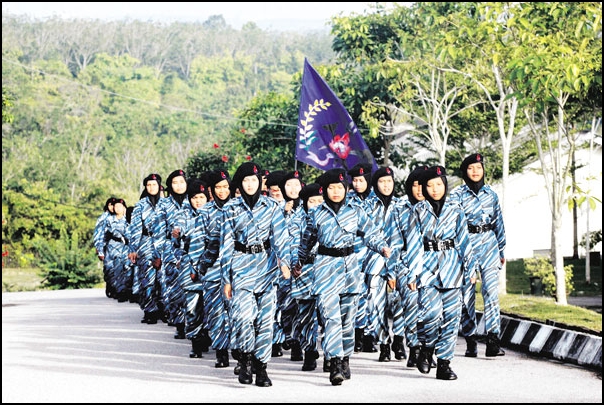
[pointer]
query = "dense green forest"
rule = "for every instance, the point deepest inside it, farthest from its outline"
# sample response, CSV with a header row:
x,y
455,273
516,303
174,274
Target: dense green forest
x,y
91,107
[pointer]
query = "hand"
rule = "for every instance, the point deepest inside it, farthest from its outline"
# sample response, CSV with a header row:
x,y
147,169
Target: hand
x,y
289,205
193,275
473,280
285,271
101,257
296,270
228,291
156,263
132,256
412,286
176,232
386,252
502,261
392,284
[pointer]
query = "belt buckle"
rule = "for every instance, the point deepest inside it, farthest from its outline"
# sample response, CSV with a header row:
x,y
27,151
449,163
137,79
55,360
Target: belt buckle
x,y
442,245
255,249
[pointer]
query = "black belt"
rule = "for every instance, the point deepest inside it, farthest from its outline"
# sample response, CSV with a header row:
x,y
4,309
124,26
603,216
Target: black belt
x,y
480,228
146,232
336,252
252,248
310,259
436,246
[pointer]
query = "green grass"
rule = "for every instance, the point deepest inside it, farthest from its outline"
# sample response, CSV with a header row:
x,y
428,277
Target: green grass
x,y
517,301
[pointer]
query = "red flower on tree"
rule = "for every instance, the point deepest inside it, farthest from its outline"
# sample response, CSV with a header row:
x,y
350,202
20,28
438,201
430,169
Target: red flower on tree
x,y
339,144
248,158
225,158
216,146
242,130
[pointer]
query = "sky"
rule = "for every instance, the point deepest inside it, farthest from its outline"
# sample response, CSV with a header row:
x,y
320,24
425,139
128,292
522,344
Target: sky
x,y
274,16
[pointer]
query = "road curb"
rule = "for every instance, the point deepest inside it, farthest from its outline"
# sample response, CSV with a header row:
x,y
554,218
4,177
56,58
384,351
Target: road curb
x,y
541,340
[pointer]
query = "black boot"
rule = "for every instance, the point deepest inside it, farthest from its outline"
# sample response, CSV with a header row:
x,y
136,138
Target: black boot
x,y
424,360
277,351
358,340
245,373
206,341
493,346
346,367
384,352
310,360
180,331
443,371
471,346
398,347
368,346
335,372
222,358
195,352
413,354
326,365
262,379
296,351
236,356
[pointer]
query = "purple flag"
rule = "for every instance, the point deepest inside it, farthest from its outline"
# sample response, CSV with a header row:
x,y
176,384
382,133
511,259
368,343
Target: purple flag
x,y
327,136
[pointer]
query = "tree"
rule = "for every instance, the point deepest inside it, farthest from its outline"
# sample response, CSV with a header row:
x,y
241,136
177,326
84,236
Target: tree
x,y
559,59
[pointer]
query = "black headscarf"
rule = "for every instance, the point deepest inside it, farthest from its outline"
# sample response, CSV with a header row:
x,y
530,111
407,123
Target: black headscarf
x,y
310,190
333,176
215,177
429,174
362,169
248,169
475,186
379,173
288,176
153,199
414,176
179,198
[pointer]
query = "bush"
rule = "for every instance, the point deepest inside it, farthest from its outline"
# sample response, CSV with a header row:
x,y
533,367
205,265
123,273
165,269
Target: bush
x,y
67,265
542,267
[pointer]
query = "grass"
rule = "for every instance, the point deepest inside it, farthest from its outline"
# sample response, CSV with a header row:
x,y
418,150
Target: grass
x,y
517,302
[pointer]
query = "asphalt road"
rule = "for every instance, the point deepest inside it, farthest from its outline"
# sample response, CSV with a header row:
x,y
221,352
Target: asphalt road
x,y
79,346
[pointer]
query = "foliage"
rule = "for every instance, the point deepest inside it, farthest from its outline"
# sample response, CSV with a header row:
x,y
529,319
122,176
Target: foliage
x,y
542,267
7,104
595,237
66,264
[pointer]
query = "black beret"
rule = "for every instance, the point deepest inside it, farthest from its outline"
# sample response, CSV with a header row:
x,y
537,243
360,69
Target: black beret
x,y
333,176
432,173
197,186
244,170
414,176
216,176
152,176
361,169
379,173
473,158
288,176
274,177
311,190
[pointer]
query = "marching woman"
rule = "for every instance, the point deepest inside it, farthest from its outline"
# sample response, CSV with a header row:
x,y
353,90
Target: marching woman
x,y
487,234
117,251
204,252
439,253
100,244
168,223
141,248
253,229
334,225
305,328
399,234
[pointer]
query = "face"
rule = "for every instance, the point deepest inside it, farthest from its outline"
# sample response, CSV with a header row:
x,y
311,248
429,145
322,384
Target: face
x,y
436,188
416,190
152,187
385,185
250,184
314,201
179,185
198,200
119,210
110,208
292,188
222,190
359,184
475,172
275,192
336,192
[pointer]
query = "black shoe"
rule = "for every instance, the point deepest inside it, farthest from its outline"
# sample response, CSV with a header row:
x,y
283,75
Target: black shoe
x,y
443,371
326,365
413,353
150,318
424,360
222,358
368,346
296,351
471,347
346,367
180,331
237,368
262,379
398,348
310,360
493,346
245,373
335,371
358,340
195,352
384,353
277,351
286,345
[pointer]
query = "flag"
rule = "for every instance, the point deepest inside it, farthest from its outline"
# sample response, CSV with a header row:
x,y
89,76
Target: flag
x,y
327,136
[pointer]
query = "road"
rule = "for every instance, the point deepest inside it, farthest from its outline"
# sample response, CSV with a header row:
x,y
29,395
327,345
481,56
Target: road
x,y
73,346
